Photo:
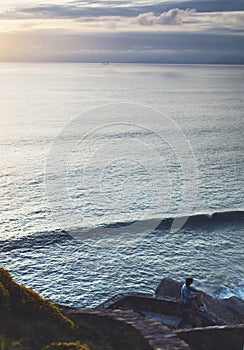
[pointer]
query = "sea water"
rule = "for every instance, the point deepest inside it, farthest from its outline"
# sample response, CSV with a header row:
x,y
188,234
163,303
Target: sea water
x,y
97,161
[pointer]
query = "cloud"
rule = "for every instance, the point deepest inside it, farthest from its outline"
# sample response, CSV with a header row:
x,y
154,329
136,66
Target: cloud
x,y
234,17
172,17
66,11
212,5
125,31
96,8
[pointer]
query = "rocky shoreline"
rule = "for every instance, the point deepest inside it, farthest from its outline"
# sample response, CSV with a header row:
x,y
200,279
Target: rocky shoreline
x,y
129,321
166,323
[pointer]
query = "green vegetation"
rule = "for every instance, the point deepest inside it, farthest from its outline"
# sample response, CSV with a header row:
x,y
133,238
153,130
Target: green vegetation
x,y
30,322
7,344
67,346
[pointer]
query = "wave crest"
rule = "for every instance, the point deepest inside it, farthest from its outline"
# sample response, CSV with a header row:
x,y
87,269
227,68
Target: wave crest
x,y
40,240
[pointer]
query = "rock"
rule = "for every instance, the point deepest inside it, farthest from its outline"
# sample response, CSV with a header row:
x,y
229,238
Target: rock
x,y
218,311
196,328
168,320
169,288
214,337
235,304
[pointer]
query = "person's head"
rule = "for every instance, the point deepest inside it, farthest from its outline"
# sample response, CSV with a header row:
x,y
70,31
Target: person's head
x,y
189,281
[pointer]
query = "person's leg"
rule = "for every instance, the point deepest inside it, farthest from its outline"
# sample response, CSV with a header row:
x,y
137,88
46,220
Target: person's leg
x,y
192,300
200,304
198,300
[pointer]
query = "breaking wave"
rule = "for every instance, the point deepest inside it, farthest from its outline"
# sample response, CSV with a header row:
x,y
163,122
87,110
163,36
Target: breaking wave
x,y
42,239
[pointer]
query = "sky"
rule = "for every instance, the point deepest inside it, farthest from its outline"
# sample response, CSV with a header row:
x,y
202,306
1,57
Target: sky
x,y
144,31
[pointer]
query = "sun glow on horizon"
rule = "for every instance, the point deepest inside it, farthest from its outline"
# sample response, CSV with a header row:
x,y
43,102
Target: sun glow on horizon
x,y
57,30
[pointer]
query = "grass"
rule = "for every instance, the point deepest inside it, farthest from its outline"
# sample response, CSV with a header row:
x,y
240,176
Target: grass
x,y
30,322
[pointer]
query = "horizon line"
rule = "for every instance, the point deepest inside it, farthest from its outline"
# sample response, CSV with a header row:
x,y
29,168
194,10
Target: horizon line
x,y
123,62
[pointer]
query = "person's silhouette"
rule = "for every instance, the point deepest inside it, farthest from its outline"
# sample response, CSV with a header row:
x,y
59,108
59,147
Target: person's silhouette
x,y
190,294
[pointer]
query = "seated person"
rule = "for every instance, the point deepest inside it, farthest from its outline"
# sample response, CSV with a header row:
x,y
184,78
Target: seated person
x,y
189,294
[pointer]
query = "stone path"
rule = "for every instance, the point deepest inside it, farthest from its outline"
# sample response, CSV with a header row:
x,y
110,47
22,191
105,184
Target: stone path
x,y
112,301
158,336
227,337
168,320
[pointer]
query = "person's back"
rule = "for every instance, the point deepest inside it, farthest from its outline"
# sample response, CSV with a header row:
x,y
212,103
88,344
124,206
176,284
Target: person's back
x,y
186,290
189,294
185,293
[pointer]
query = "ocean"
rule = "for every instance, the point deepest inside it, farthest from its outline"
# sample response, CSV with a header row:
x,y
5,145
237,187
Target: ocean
x,y
115,176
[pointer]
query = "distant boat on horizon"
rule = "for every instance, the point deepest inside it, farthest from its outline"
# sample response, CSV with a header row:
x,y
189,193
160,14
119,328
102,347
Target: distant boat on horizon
x,y
105,63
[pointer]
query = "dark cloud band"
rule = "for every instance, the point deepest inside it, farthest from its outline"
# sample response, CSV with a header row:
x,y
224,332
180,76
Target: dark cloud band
x,y
77,9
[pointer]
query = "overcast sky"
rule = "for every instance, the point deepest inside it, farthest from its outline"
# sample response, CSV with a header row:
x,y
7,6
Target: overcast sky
x,y
194,31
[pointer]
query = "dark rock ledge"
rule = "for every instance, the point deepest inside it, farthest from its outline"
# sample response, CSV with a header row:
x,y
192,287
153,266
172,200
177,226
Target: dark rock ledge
x,y
166,323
